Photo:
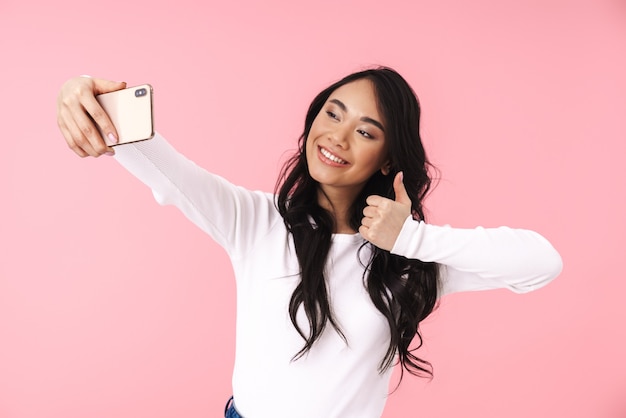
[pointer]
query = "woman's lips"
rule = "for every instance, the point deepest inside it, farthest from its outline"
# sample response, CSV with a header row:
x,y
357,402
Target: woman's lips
x,y
331,159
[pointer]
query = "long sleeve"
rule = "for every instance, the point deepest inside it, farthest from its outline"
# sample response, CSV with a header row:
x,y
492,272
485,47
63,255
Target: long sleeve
x,y
235,217
481,258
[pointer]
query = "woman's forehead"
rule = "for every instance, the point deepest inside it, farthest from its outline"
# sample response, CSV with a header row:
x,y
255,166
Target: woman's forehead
x,y
358,96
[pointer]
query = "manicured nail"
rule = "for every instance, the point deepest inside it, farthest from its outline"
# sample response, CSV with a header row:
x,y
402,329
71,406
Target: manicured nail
x,y
112,138
109,153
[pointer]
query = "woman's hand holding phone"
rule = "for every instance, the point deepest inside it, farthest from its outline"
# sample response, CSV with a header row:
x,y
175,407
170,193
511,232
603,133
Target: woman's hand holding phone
x,y
79,115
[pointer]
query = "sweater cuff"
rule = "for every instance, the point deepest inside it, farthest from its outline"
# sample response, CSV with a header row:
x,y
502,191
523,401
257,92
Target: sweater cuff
x,y
410,238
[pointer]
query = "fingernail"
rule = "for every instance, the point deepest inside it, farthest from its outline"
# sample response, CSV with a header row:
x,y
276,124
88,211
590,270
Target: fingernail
x,y
112,138
109,153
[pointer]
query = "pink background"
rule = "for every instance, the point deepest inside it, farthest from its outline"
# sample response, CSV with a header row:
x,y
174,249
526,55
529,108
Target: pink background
x,y
113,306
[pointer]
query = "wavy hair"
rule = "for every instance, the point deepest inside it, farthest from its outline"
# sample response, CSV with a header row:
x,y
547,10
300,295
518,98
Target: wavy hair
x,y
403,290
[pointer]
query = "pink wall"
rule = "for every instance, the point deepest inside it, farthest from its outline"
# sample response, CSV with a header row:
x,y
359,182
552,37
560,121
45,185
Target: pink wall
x,y
113,306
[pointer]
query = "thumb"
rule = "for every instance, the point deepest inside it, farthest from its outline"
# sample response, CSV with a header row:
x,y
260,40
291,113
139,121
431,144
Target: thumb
x,y
398,187
101,85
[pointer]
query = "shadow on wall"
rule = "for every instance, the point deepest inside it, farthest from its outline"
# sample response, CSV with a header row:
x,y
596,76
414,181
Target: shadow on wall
x,y
618,406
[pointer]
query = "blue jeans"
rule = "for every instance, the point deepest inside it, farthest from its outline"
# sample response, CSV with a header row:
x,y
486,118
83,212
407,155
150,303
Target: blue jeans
x,y
230,411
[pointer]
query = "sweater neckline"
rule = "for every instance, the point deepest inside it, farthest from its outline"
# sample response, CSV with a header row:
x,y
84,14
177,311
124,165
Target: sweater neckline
x,y
347,238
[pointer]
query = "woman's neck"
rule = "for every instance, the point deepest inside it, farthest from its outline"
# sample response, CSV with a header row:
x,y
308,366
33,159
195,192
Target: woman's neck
x,y
338,204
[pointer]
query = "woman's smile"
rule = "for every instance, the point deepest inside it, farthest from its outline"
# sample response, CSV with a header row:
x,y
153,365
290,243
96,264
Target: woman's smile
x,y
331,159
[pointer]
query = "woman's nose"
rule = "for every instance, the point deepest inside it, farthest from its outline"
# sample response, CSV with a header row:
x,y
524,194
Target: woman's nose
x,y
339,137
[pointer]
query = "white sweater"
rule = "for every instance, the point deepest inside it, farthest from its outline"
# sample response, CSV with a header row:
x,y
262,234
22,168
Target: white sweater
x,y
334,379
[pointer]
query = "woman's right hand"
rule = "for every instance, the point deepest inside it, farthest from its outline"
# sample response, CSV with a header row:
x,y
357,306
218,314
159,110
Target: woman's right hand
x,y
78,112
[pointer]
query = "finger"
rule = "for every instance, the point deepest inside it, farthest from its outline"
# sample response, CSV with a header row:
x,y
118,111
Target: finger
x,y
83,134
70,140
370,211
367,222
401,194
364,231
375,200
101,85
97,113
89,135
100,119
78,141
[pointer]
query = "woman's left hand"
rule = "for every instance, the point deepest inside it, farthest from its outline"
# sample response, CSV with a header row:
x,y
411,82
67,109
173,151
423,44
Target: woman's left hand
x,y
383,218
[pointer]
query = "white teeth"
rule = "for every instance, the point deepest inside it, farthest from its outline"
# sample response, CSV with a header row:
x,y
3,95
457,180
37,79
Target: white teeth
x,y
332,157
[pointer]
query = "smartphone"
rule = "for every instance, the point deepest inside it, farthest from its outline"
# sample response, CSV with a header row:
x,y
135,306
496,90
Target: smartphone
x,y
130,110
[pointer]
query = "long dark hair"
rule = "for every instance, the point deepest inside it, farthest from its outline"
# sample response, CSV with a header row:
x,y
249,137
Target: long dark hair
x,y
403,290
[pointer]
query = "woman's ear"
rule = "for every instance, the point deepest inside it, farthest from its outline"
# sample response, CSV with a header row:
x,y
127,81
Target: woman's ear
x,y
386,168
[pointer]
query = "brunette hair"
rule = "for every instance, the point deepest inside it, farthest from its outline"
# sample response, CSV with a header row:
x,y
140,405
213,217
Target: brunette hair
x,y
403,290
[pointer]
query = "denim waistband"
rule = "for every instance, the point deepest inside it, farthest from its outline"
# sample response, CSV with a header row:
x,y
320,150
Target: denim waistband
x,y
229,409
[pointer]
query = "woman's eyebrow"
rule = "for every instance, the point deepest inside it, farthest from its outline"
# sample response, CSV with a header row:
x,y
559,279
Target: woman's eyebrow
x,y
364,118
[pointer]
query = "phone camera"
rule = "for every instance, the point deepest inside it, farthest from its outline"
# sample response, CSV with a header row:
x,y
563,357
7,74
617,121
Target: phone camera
x,y
140,92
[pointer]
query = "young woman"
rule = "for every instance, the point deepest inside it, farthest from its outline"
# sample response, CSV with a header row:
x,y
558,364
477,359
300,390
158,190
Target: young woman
x,y
336,270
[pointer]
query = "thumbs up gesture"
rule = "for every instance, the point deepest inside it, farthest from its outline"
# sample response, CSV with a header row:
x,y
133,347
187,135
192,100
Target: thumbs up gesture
x,y
383,218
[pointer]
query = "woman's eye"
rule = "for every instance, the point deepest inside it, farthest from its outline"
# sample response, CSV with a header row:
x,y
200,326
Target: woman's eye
x,y
365,134
331,114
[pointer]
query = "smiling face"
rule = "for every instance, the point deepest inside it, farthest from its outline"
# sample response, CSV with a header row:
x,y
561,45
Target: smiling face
x,y
346,143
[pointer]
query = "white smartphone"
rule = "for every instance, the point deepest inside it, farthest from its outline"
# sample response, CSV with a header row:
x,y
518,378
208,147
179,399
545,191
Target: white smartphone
x,y
130,110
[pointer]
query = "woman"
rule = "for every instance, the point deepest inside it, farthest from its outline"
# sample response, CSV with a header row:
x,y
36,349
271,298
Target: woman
x,y
336,270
